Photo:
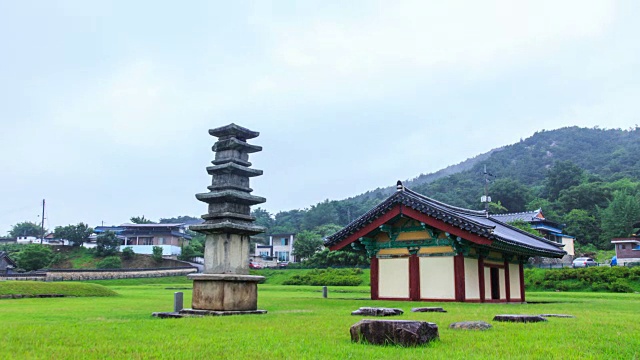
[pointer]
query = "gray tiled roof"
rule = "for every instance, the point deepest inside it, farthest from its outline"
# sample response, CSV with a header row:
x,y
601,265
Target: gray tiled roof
x,y
527,216
472,221
4,255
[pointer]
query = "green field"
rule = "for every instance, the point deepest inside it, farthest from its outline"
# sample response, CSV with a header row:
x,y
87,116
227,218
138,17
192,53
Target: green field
x,y
30,288
300,324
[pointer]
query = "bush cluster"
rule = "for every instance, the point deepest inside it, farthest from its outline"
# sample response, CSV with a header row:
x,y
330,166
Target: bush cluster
x,y
128,253
327,277
610,279
110,262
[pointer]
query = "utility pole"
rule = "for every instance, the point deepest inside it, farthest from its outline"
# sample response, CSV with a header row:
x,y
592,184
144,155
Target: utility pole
x,y
486,199
42,225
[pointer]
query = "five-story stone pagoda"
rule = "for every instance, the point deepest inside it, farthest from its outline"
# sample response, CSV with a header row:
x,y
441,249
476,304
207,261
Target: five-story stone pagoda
x,y
225,287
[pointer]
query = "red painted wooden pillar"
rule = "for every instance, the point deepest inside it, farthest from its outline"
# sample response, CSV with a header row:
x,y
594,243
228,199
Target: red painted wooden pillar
x,y
458,270
521,271
373,277
481,277
414,277
507,283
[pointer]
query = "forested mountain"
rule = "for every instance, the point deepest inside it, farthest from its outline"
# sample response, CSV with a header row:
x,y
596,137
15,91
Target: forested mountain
x,y
585,178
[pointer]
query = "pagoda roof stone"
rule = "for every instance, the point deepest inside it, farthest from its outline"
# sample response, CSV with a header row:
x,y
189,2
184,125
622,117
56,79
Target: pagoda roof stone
x,y
235,144
234,131
231,196
228,227
233,168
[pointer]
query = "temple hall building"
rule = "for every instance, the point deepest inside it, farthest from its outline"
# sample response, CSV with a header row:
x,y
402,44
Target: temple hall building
x,y
425,250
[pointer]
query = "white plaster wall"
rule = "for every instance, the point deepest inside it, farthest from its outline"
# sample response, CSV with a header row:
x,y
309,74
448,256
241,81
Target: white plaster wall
x,y
514,281
487,283
568,245
471,279
393,278
437,278
503,289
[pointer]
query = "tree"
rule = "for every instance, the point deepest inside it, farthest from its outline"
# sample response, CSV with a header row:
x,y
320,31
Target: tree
x,y
25,228
34,257
76,234
128,253
264,219
183,219
107,244
582,225
187,253
563,175
496,208
197,243
511,194
320,214
586,196
327,229
618,218
287,222
306,244
140,220
157,254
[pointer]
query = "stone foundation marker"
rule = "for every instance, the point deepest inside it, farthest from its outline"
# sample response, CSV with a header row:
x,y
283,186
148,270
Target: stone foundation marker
x,y
558,316
373,311
429,309
519,318
394,332
470,325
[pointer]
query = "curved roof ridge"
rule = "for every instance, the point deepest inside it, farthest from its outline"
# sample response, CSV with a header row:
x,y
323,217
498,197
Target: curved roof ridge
x,y
517,213
447,206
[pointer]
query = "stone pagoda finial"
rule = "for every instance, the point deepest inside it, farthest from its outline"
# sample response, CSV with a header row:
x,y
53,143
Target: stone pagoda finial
x,y
229,195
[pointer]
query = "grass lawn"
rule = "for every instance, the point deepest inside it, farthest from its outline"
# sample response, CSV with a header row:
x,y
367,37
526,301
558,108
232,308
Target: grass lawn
x,y
66,288
302,325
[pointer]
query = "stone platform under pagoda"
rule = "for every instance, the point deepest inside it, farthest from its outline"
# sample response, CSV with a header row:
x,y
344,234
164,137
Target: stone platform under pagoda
x,y
225,292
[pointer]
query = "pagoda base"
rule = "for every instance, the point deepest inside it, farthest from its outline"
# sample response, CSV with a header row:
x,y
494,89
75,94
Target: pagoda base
x,y
225,293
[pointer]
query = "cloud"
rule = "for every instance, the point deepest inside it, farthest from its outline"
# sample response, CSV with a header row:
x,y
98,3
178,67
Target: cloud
x,y
417,38
135,103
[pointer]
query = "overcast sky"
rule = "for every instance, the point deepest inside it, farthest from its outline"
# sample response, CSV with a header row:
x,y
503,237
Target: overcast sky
x,y
105,106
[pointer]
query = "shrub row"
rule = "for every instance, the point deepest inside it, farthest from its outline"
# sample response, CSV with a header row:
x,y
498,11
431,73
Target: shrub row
x,y
327,277
611,279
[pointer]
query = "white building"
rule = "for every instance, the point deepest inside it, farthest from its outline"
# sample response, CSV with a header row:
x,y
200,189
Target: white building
x,y
280,248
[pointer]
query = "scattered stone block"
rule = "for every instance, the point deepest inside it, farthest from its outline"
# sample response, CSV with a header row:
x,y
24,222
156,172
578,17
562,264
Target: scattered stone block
x,y
428,309
371,311
519,318
471,325
394,332
557,315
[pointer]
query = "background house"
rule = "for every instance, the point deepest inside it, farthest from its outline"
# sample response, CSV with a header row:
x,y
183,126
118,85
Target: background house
x,y
50,239
143,237
7,240
548,229
280,248
27,240
628,248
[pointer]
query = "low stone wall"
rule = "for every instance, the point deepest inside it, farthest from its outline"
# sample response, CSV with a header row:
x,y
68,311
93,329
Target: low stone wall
x,y
19,277
69,275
